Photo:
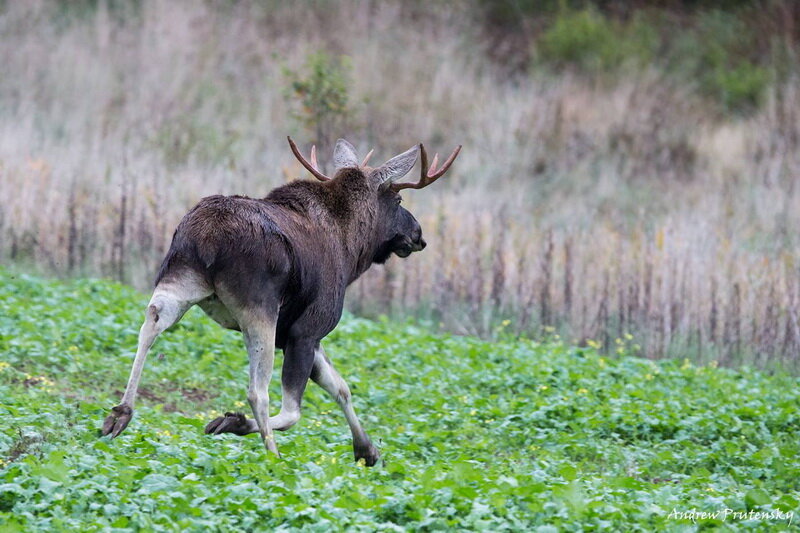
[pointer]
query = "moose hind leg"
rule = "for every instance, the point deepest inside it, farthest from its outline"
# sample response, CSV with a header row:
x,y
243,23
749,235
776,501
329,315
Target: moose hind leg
x,y
326,376
259,337
167,305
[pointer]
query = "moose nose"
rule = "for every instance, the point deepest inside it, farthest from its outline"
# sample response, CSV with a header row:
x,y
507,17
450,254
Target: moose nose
x,y
422,243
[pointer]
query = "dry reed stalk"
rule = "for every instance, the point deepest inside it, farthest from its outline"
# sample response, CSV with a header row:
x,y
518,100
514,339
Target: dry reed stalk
x,y
546,268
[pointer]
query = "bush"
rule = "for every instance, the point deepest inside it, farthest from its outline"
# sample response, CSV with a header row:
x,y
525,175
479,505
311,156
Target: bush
x,y
741,88
588,40
322,94
723,47
718,54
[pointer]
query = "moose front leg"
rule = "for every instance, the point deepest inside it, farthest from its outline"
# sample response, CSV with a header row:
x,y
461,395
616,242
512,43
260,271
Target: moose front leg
x,y
326,376
298,360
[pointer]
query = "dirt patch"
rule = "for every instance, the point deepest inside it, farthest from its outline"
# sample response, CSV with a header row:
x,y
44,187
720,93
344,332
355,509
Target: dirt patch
x,y
149,395
190,394
32,382
197,395
23,445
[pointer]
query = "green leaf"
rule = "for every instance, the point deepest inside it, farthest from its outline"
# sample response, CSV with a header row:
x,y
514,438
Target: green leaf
x,y
756,498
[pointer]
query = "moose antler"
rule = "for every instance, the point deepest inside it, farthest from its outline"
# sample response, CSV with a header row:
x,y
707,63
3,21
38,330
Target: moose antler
x,y
312,166
428,174
366,158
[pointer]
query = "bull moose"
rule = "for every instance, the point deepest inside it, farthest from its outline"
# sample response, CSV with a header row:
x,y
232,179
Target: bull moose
x,y
276,269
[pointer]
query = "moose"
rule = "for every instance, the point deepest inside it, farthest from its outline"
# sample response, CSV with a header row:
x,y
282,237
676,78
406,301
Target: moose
x,y
276,269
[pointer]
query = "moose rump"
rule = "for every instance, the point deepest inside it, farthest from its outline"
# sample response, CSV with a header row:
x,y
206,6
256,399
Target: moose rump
x,y
250,255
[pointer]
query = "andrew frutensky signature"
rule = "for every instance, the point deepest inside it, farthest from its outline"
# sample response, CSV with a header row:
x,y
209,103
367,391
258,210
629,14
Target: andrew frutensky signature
x,y
724,514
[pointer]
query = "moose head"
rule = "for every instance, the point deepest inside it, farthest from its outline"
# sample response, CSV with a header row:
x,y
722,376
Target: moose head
x,y
397,229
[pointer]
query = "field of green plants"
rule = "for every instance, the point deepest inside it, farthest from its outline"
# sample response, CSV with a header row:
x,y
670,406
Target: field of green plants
x,y
504,435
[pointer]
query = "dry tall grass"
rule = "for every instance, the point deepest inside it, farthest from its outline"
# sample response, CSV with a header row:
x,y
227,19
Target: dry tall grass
x,y
599,210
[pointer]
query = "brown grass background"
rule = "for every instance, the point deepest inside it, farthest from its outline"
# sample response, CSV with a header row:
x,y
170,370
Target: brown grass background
x,y
581,208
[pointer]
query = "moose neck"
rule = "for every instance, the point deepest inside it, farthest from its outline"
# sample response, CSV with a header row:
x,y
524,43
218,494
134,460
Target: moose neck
x,y
353,207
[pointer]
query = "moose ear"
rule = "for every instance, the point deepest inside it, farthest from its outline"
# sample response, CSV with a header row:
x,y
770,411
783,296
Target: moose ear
x,y
395,168
344,155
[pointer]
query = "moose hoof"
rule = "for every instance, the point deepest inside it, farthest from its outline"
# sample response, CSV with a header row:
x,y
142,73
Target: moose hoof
x,y
235,423
368,452
117,421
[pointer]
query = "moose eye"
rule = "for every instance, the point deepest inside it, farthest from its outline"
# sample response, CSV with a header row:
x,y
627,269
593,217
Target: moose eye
x,y
399,200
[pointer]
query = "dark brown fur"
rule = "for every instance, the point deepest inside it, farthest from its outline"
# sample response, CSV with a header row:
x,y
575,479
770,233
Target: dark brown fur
x,y
305,240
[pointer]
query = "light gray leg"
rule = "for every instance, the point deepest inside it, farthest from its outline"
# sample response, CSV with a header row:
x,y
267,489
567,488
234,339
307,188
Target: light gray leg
x,y
326,376
259,336
289,415
298,362
167,305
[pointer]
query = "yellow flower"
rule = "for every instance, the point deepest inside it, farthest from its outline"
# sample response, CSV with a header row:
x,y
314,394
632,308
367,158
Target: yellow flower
x,y
473,412
594,344
543,387
238,404
686,364
628,336
601,362
648,377
4,365
582,391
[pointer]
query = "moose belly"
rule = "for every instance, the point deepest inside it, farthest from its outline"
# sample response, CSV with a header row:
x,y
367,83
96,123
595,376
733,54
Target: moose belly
x,y
219,313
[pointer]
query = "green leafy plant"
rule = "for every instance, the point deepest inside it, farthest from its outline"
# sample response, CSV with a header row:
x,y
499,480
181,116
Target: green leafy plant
x,y
718,56
475,435
742,87
319,95
592,42
717,53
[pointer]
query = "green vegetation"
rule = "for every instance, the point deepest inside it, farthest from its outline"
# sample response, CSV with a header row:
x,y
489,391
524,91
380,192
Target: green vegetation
x,y
319,96
595,43
721,53
474,435
714,52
